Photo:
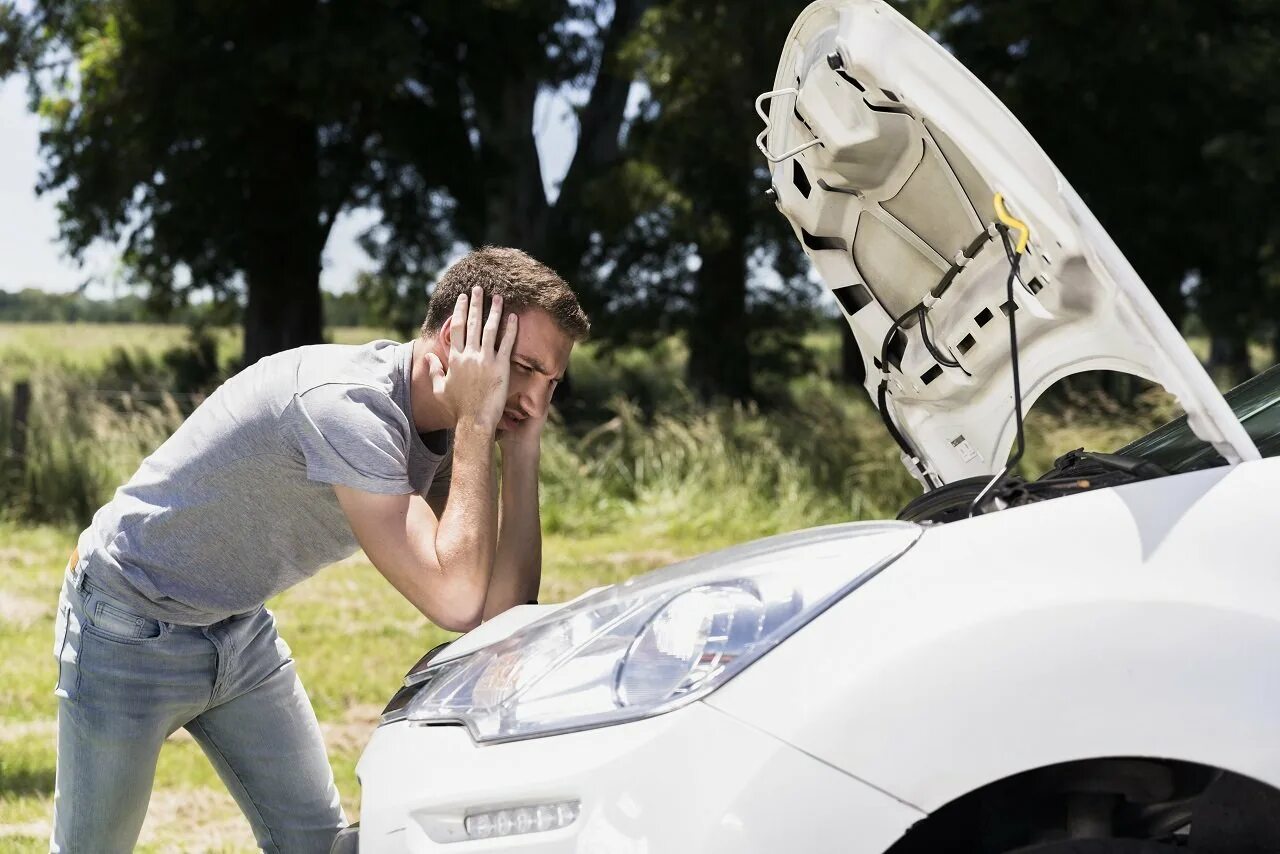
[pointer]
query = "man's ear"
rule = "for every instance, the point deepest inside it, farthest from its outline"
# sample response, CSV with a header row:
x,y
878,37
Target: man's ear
x,y
446,334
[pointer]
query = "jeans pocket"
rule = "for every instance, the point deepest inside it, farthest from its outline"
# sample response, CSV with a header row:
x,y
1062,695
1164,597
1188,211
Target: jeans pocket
x,y
66,646
113,622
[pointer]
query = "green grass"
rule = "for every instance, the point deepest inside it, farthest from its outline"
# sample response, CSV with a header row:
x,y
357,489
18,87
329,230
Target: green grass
x,y
88,347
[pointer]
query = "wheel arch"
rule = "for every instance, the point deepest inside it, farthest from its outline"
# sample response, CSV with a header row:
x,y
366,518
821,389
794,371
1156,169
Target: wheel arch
x,y
1130,798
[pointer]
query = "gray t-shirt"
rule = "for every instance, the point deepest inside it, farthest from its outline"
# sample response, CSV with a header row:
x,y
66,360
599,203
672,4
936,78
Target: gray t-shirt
x,y
237,504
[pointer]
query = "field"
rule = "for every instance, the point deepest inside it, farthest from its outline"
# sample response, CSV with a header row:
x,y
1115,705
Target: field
x,y
648,478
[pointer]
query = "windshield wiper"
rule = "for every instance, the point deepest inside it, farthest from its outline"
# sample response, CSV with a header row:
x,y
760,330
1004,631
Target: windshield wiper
x,y
1138,467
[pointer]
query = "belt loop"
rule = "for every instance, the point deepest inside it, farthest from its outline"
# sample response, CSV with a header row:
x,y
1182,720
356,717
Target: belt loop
x,y
74,571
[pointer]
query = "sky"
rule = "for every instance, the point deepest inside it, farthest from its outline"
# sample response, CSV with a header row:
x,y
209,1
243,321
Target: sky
x,y
31,257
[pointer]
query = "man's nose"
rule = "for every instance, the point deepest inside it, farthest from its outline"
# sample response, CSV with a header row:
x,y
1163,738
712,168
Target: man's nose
x,y
536,398
526,401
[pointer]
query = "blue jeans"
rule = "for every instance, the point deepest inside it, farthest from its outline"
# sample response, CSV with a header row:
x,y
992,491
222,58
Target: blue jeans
x,y
126,682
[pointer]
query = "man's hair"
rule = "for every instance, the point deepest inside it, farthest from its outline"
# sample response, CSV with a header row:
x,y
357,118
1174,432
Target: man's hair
x,y
522,282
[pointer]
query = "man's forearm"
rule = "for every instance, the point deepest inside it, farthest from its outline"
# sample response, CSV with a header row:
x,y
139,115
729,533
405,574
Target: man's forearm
x,y
466,537
517,568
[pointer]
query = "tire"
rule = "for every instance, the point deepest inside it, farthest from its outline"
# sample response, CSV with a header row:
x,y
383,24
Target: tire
x,y
1102,846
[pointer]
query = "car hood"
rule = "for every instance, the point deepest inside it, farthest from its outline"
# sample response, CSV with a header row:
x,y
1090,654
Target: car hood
x,y
903,152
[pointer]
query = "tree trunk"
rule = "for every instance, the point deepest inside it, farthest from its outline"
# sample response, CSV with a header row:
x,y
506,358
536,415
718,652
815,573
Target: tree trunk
x,y
570,221
284,308
514,199
283,239
1229,356
719,360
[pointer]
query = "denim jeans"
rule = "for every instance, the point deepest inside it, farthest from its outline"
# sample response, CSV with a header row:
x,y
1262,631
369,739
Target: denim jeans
x,y
126,682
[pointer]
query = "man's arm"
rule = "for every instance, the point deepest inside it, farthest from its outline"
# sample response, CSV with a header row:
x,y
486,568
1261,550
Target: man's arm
x,y
517,566
440,564
517,569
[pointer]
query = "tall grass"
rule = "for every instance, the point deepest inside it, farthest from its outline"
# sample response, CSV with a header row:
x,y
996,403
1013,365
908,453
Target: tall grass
x,y
722,472
640,452
79,447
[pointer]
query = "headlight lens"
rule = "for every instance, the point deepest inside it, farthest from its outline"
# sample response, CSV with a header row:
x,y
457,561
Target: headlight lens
x,y
657,641
692,637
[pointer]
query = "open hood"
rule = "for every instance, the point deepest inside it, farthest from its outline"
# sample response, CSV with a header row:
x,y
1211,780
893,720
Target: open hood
x,y
887,157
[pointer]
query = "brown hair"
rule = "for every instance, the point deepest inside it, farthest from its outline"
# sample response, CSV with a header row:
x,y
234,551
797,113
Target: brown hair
x,y
522,282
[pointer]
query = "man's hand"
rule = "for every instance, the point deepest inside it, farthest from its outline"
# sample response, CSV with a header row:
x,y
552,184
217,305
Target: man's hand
x,y
517,566
474,389
525,437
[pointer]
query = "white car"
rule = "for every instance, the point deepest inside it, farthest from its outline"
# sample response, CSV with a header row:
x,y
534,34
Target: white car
x,y
1094,668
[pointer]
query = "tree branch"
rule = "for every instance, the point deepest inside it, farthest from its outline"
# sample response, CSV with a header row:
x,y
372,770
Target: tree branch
x,y
600,122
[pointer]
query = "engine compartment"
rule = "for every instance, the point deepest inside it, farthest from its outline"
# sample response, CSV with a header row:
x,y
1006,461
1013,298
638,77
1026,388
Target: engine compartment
x,y
1075,471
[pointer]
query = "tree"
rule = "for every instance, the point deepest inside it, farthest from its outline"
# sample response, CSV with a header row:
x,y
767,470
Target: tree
x,y
217,143
1160,115
699,227
457,161
220,143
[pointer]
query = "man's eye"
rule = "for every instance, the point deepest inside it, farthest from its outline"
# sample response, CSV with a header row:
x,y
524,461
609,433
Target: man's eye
x,y
524,368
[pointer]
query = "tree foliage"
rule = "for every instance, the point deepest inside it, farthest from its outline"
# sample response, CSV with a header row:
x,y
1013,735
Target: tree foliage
x,y
219,143
457,162
696,245
1162,115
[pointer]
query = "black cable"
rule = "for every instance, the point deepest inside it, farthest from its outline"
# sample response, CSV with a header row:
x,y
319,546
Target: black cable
x,y
1014,260
968,253
921,312
945,361
882,399
888,338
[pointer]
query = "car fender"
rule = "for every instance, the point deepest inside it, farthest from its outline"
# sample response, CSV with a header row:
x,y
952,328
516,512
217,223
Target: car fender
x,y
1137,621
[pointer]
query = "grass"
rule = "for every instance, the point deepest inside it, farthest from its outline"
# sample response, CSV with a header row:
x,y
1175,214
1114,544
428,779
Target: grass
x,y
87,348
651,477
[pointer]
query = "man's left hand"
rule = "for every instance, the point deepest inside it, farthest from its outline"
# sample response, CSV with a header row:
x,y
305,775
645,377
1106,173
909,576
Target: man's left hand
x,y
525,436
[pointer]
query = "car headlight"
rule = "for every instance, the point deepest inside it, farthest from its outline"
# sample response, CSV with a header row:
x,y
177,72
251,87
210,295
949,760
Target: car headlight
x,y
657,641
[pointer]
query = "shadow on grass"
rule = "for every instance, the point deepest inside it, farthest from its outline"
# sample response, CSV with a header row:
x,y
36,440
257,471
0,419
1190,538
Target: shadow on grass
x,y
25,781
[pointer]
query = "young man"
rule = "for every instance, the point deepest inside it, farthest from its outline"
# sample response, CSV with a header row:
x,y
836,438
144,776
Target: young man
x,y
284,469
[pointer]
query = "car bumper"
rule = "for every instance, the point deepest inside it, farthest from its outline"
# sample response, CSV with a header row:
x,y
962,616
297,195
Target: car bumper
x,y
692,780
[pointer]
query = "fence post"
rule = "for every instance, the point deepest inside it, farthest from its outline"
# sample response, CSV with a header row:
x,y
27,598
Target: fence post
x,y
18,436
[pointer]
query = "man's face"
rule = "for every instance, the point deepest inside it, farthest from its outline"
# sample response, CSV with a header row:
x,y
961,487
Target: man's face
x,y
538,363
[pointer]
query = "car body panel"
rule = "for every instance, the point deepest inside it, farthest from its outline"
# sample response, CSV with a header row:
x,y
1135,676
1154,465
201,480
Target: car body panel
x,y
913,150
1140,620
495,629
691,780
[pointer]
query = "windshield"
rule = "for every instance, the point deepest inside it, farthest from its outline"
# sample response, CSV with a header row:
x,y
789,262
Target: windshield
x,y
1176,449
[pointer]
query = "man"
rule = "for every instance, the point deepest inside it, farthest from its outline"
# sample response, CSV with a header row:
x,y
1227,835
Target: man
x,y
281,471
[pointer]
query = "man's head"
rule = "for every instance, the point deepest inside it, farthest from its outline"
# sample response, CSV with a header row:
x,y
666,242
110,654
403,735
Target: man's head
x,y
551,321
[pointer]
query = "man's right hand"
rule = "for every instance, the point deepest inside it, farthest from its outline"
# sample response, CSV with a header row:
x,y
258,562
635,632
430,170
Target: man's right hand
x,y
474,388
